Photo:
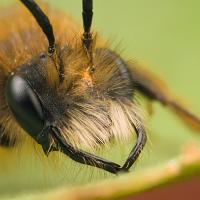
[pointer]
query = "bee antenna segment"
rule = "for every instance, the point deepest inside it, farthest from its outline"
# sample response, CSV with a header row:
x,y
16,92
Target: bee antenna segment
x,y
87,15
43,22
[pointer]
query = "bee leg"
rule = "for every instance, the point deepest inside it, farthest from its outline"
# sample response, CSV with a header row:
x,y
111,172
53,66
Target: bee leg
x,y
155,89
82,156
135,152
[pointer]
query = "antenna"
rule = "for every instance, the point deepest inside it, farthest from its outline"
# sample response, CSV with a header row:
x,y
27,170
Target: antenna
x,y
43,22
87,14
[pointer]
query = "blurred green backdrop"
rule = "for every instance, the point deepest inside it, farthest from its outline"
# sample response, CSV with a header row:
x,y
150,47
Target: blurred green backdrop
x,y
163,35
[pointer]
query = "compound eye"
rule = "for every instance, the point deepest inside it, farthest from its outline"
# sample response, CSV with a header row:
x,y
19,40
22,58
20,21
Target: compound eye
x,y
25,105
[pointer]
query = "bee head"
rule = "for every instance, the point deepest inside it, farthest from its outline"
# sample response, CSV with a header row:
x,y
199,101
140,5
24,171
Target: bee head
x,y
69,87
74,95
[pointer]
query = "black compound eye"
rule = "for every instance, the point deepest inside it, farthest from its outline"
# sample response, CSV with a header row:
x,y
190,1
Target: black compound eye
x,y
25,105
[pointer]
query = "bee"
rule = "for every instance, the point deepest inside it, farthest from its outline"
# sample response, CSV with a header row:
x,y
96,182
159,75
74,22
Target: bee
x,y
64,88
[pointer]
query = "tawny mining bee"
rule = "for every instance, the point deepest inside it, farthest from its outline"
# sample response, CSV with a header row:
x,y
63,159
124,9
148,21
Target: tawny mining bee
x,y
73,91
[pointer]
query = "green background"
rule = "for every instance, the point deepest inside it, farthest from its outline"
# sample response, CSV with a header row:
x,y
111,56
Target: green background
x,y
165,36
